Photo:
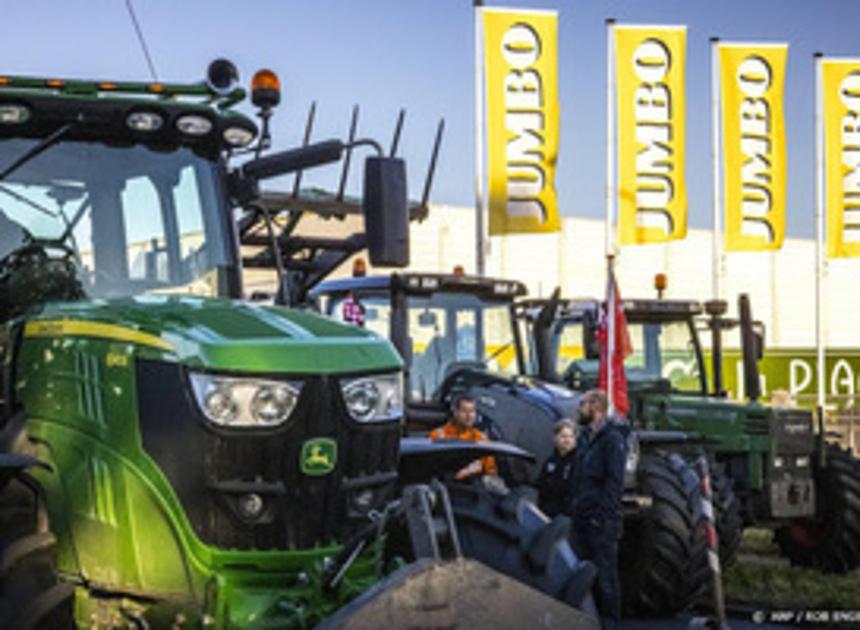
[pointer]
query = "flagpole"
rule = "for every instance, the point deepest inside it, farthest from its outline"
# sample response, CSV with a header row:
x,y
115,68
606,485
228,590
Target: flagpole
x,y
715,157
611,289
610,139
480,227
819,237
610,208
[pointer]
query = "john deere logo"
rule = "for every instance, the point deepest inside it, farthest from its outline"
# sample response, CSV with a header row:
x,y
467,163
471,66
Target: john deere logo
x,y
319,456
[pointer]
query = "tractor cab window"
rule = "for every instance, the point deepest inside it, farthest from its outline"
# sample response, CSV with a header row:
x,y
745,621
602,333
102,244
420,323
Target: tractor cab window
x,y
664,350
570,344
573,346
130,219
454,330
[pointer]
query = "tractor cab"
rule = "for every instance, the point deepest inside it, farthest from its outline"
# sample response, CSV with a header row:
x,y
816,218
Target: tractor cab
x,y
667,354
122,182
442,324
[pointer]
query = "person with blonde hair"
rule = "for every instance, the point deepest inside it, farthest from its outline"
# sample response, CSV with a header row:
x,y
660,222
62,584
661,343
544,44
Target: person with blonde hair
x,y
555,482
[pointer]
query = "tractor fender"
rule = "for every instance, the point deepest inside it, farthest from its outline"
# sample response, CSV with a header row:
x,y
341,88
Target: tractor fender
x,y
422,459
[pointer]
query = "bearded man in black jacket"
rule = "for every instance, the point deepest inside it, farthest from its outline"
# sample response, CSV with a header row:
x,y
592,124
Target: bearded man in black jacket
x,y
597,490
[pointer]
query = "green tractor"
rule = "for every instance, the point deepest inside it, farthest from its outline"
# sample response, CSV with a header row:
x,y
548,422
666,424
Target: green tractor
x,y
459,333
171,456
769,466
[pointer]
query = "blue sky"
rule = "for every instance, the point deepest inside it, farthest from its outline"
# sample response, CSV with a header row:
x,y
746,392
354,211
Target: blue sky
x,y
419,54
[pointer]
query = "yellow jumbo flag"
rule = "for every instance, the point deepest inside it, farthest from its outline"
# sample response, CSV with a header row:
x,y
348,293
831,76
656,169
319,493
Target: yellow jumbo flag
x,y
520,54
840,82
650,77
752,82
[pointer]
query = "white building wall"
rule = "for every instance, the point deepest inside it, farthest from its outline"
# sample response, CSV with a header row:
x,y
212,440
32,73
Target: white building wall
x,y
781,284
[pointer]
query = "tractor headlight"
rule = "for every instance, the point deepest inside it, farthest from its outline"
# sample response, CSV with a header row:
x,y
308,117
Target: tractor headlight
x,y
13,114
244,402
144,121
802,461
194,125
238,136
374,398
778,462
631,464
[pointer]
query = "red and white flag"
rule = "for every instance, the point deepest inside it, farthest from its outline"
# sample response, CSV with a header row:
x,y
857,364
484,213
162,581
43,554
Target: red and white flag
x,y
615,344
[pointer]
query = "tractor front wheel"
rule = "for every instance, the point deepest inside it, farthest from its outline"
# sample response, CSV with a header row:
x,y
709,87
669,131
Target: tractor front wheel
x,y
658,547
727,510
31,596
830,542
509,534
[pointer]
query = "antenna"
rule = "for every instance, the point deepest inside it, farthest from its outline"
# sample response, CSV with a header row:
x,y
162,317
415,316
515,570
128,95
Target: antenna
x,y
395,141
141,39
309,126
431,170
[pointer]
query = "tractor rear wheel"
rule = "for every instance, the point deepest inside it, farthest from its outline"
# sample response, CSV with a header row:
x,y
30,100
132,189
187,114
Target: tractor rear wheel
x,y
510,535
830,542
658,546
31,596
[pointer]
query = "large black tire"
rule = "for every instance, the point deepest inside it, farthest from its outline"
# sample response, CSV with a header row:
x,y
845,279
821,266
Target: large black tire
x,y
727,510
698,585
658,546
31,596
831,541
509,534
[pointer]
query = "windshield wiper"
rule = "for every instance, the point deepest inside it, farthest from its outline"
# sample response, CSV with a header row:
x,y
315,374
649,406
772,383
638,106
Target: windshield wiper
x,y
28,202
36,150
498,351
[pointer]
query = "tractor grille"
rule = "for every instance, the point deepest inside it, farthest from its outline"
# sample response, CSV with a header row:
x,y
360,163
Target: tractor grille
x,y
213,471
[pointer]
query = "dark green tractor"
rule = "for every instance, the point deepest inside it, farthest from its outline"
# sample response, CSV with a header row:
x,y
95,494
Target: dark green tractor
x,y
171,456
769,466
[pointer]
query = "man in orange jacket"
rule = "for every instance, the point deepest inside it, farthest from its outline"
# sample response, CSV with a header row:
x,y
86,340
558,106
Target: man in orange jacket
x,y
461,426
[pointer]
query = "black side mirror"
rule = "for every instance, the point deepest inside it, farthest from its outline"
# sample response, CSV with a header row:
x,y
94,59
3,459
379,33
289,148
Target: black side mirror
x,y
751,348
758,342
386,211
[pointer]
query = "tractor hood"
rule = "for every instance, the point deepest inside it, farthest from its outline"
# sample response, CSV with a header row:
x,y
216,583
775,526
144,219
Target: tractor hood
x,y
563,402
220,334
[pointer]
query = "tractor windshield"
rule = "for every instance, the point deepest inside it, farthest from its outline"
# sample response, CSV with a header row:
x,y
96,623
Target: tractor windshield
x,y
665,350
451,330
132,219
445,331
661,350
